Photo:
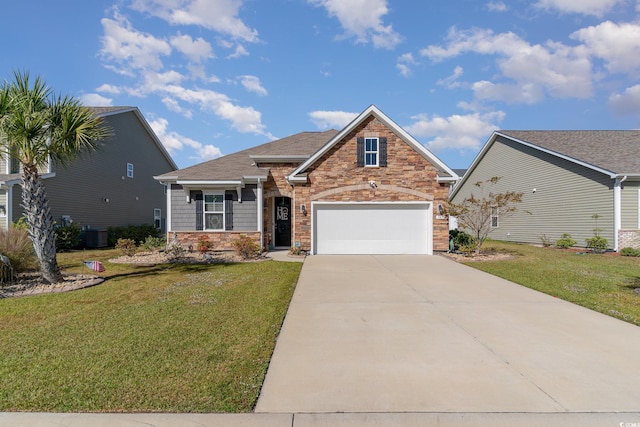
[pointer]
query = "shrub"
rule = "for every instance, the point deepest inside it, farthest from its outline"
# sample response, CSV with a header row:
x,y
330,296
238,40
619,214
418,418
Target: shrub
x,y
630,252
246,247
204,244
597,243
565,241
546,242
460,239
175,250
154,244
16,245
68,237
137,233
126,246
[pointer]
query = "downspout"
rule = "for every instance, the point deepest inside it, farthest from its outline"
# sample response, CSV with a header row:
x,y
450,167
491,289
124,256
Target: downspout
x,y
617,210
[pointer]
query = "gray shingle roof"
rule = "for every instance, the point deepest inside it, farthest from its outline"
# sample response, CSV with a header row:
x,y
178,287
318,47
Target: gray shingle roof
x,y
238,165
617,151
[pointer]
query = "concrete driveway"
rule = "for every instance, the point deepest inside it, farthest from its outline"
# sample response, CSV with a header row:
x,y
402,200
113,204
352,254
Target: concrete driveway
x,y
424,334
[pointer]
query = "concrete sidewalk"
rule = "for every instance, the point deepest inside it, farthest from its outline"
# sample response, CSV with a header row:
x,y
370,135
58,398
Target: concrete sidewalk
x,y
322,420
410,334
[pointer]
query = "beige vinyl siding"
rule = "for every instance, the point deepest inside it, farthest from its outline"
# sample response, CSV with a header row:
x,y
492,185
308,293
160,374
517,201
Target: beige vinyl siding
x,y
95,191
629,204
566,196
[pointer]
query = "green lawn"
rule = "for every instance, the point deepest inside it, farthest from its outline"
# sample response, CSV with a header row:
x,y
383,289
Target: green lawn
x,y
604,283
169,338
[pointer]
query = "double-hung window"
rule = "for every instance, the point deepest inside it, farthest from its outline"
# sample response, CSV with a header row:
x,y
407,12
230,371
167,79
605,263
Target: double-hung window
x,y
129,170
214,211
371,151
494,217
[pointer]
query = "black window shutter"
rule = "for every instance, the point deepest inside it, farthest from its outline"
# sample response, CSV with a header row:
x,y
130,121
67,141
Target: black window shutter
x,y
228,211
199,211
382,161
360,151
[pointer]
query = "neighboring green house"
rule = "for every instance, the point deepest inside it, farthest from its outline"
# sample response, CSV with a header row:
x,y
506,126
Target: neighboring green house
x,y
113,186
567,177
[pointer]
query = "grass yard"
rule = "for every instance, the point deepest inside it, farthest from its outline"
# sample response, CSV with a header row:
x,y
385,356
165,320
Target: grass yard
x,y
603,283
167,338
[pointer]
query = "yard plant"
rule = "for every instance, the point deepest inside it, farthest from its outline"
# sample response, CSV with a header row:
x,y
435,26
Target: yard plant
x,y
38,126
164,338
605,283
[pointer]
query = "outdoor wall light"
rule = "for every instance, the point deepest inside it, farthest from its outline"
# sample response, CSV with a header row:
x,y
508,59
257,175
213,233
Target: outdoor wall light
x,y
303,209
105,200
373,184
440,209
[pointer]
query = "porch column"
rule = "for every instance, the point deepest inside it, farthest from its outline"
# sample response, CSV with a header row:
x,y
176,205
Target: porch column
x,y
260,213
617,210
168,209
9,218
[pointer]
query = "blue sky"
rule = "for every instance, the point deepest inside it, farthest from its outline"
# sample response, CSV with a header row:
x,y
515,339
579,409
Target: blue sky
x,y
216,76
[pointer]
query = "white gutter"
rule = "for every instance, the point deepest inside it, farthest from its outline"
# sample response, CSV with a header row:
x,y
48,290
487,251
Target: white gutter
x,y
617,210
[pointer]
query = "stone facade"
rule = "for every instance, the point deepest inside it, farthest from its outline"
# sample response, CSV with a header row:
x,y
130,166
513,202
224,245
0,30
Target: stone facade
x,y
222,240
629,239
335,177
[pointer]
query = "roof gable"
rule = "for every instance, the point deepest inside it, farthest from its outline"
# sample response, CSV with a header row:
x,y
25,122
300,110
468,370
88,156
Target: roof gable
x,y
246,163
444,171
610,152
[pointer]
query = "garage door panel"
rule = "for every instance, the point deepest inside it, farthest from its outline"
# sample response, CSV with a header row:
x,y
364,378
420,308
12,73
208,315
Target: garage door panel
x,y
395,228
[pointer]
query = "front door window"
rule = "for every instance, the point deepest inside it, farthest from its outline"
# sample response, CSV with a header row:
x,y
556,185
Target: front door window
x,y
282,221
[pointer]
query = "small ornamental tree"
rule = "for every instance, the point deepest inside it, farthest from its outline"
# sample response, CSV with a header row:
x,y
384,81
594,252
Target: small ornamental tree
x,y
475,213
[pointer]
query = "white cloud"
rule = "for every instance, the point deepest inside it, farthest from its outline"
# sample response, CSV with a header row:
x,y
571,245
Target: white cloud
x,y
362,19
217,15
626,103
331,119
173,141
404,63
585,7
496,6
239,52
131,49
452,80
252,84
107,88
554,69
95,100
616,44
461,132
196,50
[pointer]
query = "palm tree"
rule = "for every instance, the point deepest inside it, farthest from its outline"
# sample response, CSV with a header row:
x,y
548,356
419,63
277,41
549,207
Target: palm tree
x,y
38,127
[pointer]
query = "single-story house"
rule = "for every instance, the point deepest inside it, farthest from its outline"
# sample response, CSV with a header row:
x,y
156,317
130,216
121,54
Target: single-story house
x,y
370,188
112,186
573,182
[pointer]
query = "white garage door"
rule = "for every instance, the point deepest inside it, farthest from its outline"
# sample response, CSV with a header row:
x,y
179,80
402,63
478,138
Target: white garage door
x,y
372,228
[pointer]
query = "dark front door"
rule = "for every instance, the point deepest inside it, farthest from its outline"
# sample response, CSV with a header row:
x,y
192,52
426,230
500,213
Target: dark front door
x,y
283,221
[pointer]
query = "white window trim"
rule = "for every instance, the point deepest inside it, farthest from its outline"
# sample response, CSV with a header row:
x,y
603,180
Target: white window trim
x,y
376,151
129,170
157,217
497,217
204,210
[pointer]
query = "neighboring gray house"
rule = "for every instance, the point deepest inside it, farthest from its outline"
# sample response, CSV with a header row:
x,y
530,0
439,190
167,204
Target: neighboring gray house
x,y
567,177
113,186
